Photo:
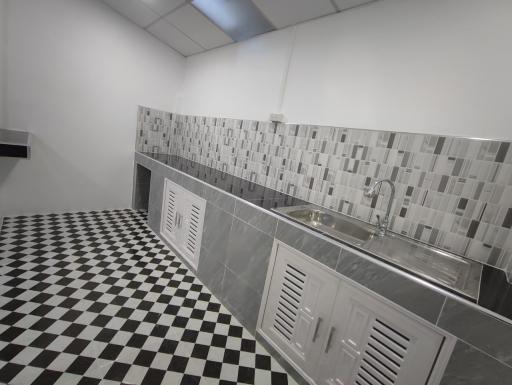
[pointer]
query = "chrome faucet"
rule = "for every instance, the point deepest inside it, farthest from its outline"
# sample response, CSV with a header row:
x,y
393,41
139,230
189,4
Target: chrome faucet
x,y
370,192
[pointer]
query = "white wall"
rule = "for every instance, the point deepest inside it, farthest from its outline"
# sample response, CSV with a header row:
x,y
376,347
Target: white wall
x,y
77,71
3,56
239,80
438,66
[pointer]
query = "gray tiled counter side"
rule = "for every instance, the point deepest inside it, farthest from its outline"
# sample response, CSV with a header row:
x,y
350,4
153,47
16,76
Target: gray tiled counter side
x,y
237,241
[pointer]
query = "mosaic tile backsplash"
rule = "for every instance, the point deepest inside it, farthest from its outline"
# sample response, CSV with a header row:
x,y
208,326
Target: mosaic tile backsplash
x,y
454,193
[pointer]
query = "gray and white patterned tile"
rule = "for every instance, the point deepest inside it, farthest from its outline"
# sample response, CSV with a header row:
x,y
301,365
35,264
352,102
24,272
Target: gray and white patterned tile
x,y
448,189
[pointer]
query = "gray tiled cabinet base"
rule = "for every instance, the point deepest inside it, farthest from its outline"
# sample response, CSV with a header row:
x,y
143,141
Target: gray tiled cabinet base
x,y
141,184
233,271
469,366
237,243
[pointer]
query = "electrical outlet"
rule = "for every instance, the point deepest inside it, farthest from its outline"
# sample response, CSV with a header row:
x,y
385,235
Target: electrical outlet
x,y
279,118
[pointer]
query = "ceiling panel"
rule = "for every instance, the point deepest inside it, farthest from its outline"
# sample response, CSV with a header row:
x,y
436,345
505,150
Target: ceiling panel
x,y
283,13
240,19
134,10
174,38
199,28
163,7
193,26
346,4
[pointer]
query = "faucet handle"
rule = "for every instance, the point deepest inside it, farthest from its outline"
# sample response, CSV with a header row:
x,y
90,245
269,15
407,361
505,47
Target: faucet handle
x,y
382,225
381,222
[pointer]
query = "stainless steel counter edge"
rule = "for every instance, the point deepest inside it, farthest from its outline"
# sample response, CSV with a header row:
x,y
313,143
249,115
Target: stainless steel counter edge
x,y
367,256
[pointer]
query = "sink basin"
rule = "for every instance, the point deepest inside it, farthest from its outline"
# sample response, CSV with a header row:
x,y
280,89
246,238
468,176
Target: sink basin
x,y
335,225
451,271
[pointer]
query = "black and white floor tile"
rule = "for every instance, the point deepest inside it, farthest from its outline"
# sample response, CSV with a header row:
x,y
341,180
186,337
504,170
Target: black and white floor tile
x,y
96,298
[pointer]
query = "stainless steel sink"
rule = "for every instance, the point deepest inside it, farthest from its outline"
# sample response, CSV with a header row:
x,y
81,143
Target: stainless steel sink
x,y
449,270
333,224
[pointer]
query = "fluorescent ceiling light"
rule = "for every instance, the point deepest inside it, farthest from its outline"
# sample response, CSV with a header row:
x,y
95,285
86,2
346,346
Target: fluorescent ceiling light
x,y
240,19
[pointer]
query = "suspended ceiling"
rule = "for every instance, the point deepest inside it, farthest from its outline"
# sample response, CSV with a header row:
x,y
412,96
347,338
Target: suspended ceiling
x,y
193,26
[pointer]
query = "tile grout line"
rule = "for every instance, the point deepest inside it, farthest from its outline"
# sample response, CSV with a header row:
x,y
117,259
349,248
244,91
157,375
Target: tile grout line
x,y
441,311
508,365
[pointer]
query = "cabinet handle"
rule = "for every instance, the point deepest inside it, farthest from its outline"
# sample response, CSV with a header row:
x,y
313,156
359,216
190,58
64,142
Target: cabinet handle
x,y
315,334
331,333
176,219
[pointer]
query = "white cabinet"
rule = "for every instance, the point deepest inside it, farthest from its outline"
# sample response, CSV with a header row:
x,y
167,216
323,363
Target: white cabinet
x,y
299,305
182,220
371,343
336,333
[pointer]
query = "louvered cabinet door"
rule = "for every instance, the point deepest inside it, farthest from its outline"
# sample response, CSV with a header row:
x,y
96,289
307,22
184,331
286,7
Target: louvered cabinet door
x,y
371,343
182,221
299,303
191,226
169,220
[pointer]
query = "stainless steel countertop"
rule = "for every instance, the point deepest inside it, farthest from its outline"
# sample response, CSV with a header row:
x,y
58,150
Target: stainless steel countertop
x,y
443,268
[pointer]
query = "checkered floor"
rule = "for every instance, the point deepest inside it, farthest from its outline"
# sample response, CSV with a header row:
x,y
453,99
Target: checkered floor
x,y
96,298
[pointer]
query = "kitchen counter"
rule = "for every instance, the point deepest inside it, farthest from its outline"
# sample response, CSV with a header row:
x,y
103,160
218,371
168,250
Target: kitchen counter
x,y
490,288
241,188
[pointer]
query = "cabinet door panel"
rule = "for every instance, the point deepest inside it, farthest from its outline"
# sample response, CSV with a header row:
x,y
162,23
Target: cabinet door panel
x,y
192,229
357,325
312,296
377,344
302,332
300,297
182,221
169,220
348,361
